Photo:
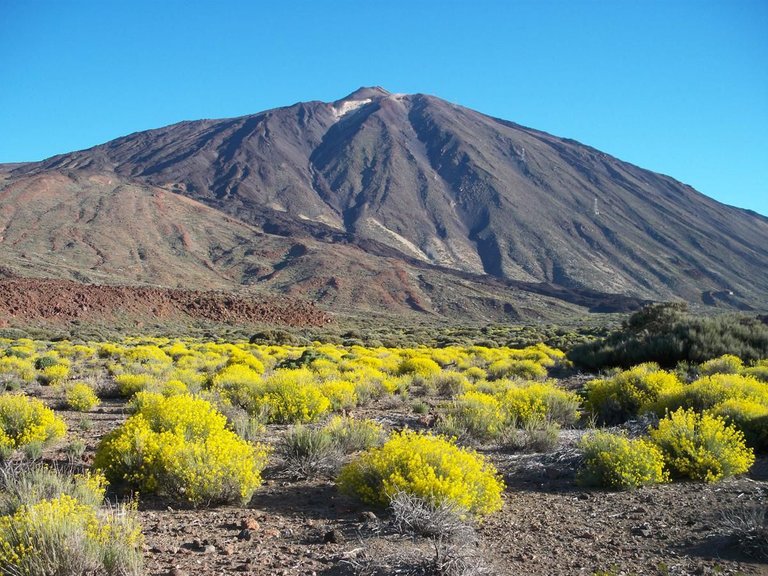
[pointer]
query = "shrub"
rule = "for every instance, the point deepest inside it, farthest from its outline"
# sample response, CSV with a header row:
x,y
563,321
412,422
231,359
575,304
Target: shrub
x,y
666,334
420,366
308,451
27,486
81,397
16,370
426,466
747,523
353,435
613,461
725,364
748,416
130,384
26,421
701,446
536,435
450,383
709,391
289,396
54,374
478,415
759,372
533,401
65,537
179,446
523,369
47,361
623,396
342,394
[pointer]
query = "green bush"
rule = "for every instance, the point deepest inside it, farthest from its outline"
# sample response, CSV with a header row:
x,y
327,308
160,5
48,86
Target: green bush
x,y
613,461
667,334
701,446
353,435
426,466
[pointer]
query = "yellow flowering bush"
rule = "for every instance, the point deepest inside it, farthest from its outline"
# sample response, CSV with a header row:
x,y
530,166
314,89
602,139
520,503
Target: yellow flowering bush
x,y
130,384
709,391
25,421
289,396
146,354
64,536
15,369
617,398
81,397
479,414
525,369
430,467
613,461
537,401
237,383
178,446
701,446
55,373
420,366
750,417
342,394
725,364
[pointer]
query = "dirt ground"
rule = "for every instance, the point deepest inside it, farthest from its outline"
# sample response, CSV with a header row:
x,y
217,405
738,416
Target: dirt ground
x,y
549,525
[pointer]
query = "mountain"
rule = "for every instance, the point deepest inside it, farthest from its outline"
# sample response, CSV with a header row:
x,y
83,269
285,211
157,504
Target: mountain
x,y
445,209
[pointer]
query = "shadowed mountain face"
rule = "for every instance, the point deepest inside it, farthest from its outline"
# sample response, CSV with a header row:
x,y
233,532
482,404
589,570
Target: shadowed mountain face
x,y
433,186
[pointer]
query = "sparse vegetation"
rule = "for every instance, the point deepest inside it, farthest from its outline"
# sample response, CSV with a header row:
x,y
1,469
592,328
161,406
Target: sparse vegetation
x,y
203,416
667,334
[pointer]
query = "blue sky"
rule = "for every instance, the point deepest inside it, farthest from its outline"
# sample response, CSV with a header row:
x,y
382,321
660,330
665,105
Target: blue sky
x,y
675,86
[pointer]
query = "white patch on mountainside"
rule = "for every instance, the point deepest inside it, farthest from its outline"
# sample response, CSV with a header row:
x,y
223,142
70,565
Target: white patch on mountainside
x,y
324,219
410,246
348,106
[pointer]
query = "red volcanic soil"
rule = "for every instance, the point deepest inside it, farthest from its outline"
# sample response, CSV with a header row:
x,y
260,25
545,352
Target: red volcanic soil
x,y
28,300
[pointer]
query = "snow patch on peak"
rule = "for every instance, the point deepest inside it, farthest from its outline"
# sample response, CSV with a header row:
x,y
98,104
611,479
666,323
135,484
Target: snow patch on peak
x,y
347,106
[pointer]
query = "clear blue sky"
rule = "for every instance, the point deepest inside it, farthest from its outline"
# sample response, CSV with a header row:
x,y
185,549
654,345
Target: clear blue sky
x,y
675,86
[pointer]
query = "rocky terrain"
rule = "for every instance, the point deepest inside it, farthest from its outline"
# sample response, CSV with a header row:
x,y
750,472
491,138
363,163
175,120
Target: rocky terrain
x,y
25,301
548,527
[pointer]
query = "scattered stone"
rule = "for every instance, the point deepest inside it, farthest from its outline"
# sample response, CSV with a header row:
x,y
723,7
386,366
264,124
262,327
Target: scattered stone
x,y
228,549
176,571
334,536
369,516
250,523
643,530
245,534
209,549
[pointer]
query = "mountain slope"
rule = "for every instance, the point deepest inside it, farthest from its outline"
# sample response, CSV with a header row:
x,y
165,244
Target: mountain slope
x,y
419,180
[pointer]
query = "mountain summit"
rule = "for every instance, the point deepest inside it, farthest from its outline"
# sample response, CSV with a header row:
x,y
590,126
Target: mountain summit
x,y
406,178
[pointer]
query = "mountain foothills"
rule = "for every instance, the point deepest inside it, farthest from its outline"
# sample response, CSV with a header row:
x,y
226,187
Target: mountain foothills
x,y
378,202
